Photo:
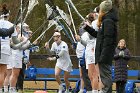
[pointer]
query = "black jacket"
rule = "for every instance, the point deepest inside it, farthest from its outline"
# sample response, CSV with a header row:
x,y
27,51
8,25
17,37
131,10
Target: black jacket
x,y
6,32
121,64
106,38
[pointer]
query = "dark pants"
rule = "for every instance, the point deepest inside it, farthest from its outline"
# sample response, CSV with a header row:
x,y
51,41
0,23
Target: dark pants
x,y
120,86
21,77
106,77
86,79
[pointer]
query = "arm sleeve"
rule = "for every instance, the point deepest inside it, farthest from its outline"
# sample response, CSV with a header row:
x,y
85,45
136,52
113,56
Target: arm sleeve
x,y
83,42
91,31
63,50
116,55
25,46
7,32
64,47
19,45
127,55
15,40
61,53
107,52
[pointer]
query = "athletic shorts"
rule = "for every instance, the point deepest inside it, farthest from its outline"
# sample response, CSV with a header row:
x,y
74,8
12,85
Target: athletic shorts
x,y
14,62
64,67
9,66
89,57
90,53
4,59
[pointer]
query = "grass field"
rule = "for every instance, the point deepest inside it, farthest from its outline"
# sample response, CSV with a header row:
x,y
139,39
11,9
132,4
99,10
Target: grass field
x,y
31,85
50,85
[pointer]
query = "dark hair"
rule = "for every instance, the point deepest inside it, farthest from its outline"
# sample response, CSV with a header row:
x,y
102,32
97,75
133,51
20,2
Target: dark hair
x,y
97,9
4,9
91,17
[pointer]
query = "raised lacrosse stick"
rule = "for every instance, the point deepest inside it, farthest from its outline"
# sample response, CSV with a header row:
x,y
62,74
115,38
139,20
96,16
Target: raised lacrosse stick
x,y
32,4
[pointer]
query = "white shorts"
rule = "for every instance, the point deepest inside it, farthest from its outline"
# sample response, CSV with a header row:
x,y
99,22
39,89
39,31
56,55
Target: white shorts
x,y
90,53
9,66
14,62
89,57
64,67
4,59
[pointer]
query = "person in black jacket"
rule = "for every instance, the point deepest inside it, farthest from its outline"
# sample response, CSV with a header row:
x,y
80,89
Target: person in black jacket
x,y
121,57
106,42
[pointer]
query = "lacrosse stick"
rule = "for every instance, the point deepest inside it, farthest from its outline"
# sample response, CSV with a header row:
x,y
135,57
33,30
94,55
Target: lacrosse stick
x,y
32,4
49,26
72,5
71,18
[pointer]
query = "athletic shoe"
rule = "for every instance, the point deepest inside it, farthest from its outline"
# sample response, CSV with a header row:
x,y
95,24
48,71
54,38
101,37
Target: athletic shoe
x,y
81,91
61,88
67,91
13,90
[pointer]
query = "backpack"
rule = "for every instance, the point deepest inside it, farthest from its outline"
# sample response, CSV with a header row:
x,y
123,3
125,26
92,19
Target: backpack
x,y
32,72
77,87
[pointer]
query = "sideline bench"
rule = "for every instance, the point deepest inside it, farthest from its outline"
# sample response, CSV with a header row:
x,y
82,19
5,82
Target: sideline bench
x,y
130,85
132,79
44,74
47,74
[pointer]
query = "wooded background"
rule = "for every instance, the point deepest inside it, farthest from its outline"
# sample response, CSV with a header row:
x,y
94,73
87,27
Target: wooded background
x,y
128,25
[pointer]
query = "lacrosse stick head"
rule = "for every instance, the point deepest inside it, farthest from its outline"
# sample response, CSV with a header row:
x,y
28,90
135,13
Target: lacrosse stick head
x,y
32,4
49,11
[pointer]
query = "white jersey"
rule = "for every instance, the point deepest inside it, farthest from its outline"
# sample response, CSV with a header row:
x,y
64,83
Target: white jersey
x,y
94,25
27,54
5,41
63,62
80,48
90,48
92,42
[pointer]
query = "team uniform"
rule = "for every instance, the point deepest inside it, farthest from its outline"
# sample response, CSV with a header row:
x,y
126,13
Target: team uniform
x,y
15,59
90,47
26,53
80,47
5,42
63,62
80,51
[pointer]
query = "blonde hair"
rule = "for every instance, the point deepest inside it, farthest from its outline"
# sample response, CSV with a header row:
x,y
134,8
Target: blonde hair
x,y
101,14
124,42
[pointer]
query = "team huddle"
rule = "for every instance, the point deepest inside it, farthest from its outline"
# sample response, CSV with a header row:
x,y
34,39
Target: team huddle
x,y
96,43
